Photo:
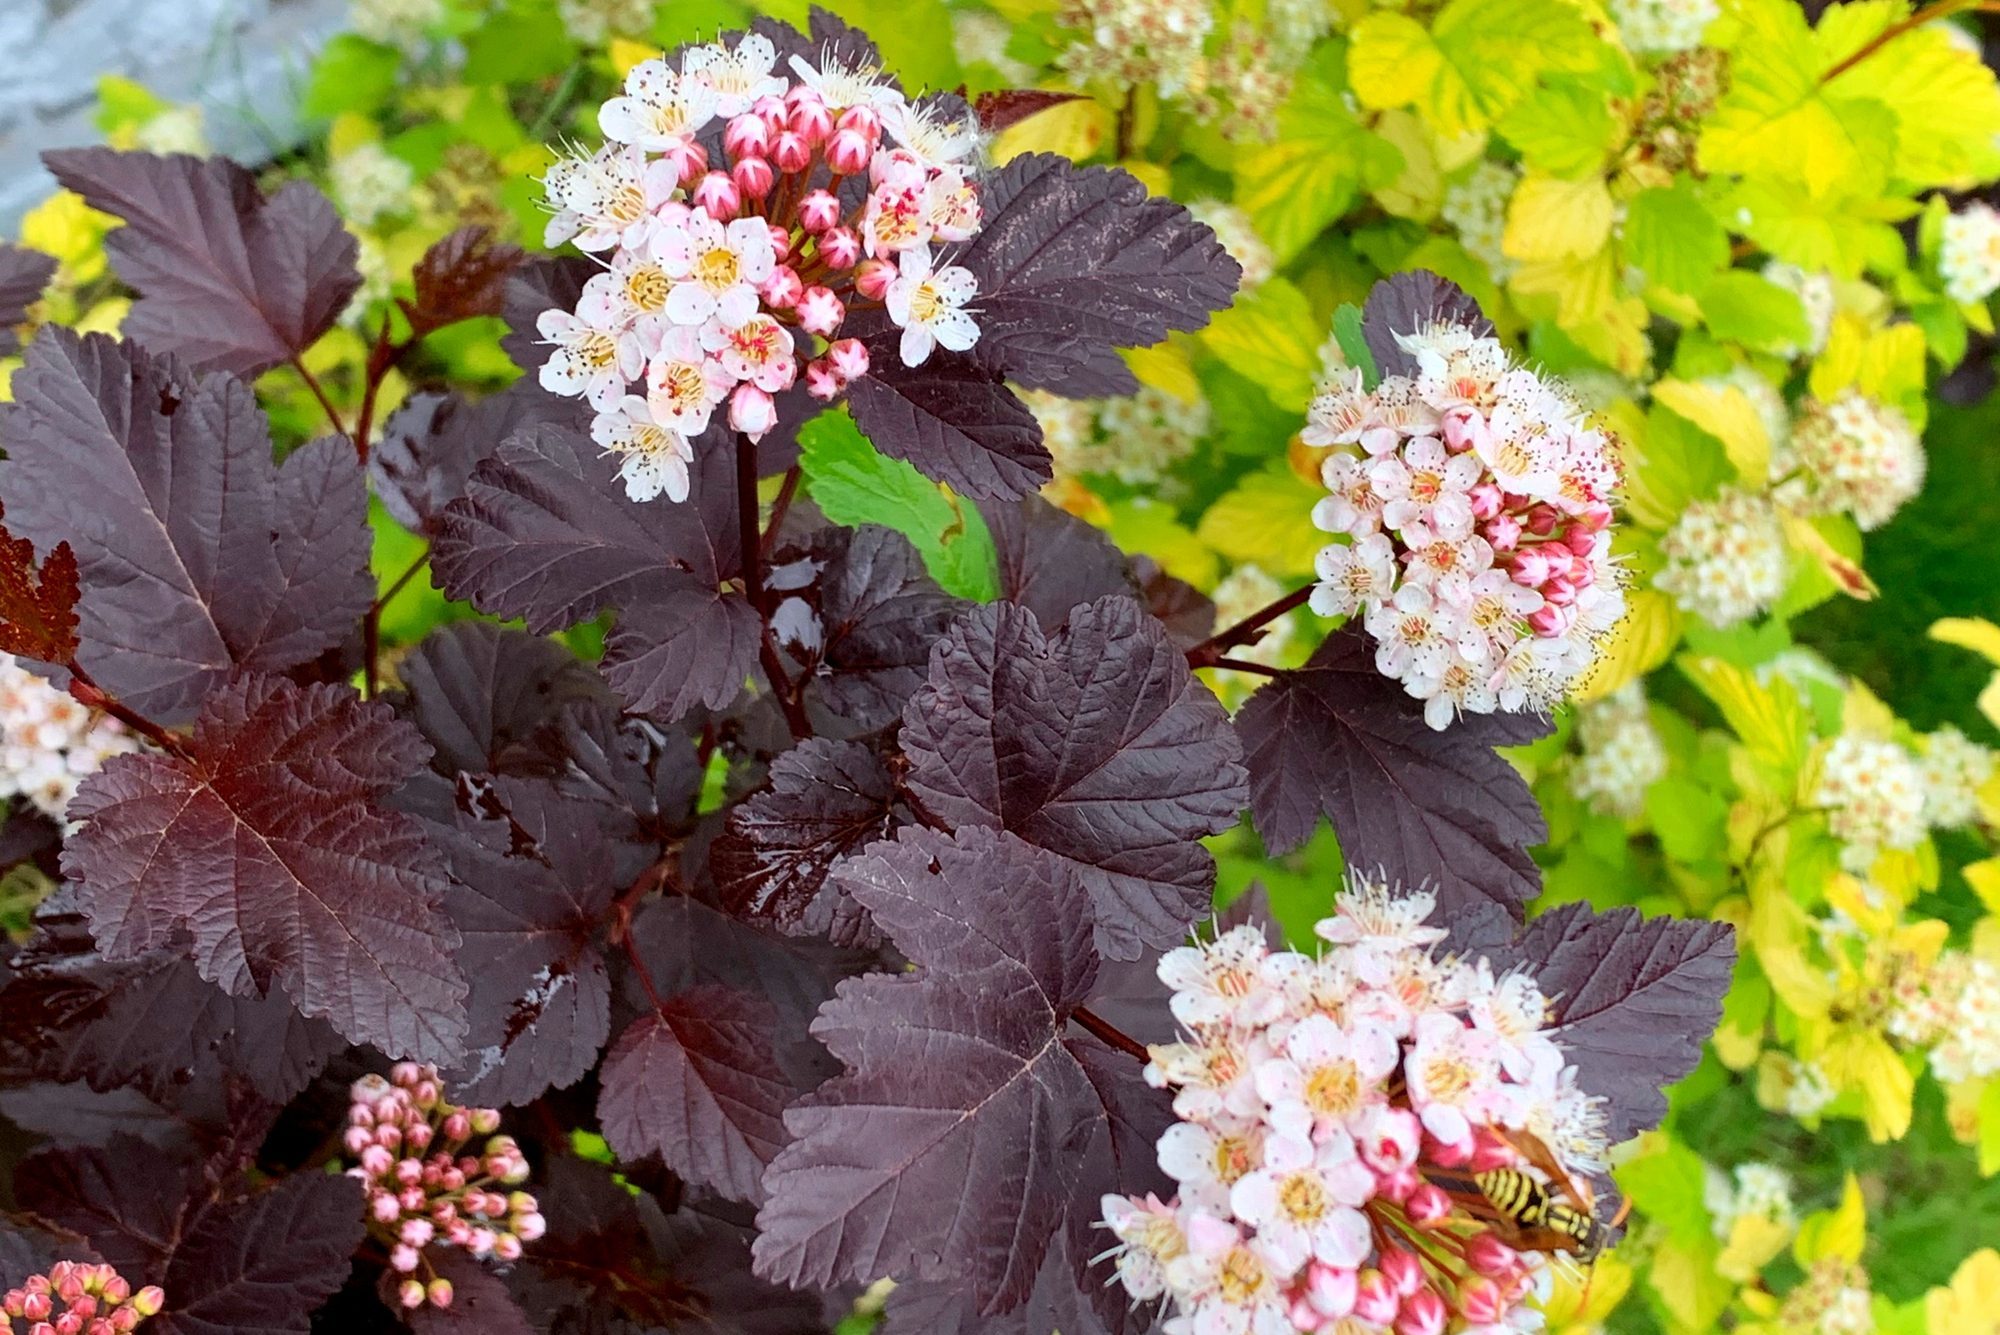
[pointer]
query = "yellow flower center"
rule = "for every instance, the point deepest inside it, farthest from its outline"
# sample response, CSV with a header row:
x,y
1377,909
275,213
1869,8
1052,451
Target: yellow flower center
x,y
597,349
628,204
1232,1159
718,269
682,384
1425,486
1302,1198
926,303
1242,1278
1334,1089
647,288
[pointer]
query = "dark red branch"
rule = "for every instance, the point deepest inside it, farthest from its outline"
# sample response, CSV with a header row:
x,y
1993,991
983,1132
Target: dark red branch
x,y
88,693
750,545
1211,651
1110,1033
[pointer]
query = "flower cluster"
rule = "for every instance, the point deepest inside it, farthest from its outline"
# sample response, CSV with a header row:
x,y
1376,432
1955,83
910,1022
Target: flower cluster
x,y
1621,755
399,23
595,22
1477,207
1659,26
1136,439
1124,43
1478,511
1833,1299
1751,1191
370,183
49,744
1873,793
1336,1115
1726,558
1815,293
1686,87
727,281
74,1298
1858,455
1238,235
1969,253
1953,1008
1954,769
425,1189
1241,594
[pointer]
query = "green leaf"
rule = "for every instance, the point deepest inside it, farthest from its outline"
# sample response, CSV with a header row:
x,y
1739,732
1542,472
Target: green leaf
x,y
853,484
1142,527
519,44
696,20
351,74
1353,346
1673,237
1989,1129
1270,335
1267,521
1294,187
1666,1186
1564,129
1477,60
1745,308
1689,818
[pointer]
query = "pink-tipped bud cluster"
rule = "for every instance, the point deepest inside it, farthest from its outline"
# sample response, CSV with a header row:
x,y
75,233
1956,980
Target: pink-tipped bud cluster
x,y
427,1186
1336,1117
1477,504
75,1298
728,280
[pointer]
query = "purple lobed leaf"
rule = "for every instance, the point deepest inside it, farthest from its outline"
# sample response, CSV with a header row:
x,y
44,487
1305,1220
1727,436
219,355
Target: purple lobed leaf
x,y
951,418
879,614
1407,303
1095,743
430,445
228,279
1051,562
264,1265
478,691
24,276
264,856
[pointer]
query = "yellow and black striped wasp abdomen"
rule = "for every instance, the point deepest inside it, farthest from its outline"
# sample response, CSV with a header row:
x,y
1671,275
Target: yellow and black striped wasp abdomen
x,y
1527,1204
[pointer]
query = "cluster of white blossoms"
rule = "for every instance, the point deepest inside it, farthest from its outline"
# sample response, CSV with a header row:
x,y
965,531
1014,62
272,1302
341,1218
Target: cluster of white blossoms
x,y
1969,1046
1858,455
1752,1191
1136,439
1954,769
1815,292
1873,795
1726,558
1125,43
1238,235
1241,594
1334,1117
1620,754
398,23
981,38
1833,1299
1657,27
370,183
595,22
1969,253
49,744
1477,207
1798,1089
727,282
1477,504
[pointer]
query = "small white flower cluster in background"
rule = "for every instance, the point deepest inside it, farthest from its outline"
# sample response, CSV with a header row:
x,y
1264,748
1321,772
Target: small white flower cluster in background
x,y
1238,235
1969,253
1657,27
1136,439
1726,558
398,23
1815,292
1968,1047
426,1187
1954,769
727,282
1478,505
49,744
1241,594
370,183
1620,756
1873,794
1125,43
1477,207
1321,1104
1834,1299
1751,1191
1858,455
595,22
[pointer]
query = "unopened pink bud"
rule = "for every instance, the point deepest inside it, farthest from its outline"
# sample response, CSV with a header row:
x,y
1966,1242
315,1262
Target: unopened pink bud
x,y
771,109
389,1137
410,1293
818,211
1502,533
1427,1206
439,1292
820,312
782,290
822,381
1330,1289
41,1328
1598,515
781,244
840,248
1397,1184
1559,591
718,196
1551,621
1542,520
849,357
1302,1315
799,94
403,1258
1490,1151
377,1160
747,136
1403,1270
1486,500
417,1232
791,152
862,119
122,1320
405,1074
872,278
457,1127
507,1247
848,152
386,1208
811,121
34,1306
417,1138
356,1139
1580,540
453,1179
69,1323
529,1227
1423,1313
480,1243
1464,428
754,177
1375,1299
1485,1253
67,1282
409,1198
427,1094
1529,570
85,1307
115,1289
688,161
752,411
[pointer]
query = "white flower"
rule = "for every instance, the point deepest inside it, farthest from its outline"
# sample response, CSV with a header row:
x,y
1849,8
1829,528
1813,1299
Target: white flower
x,y
1621,754
636,285
1969,255
716,268
49,743
1815,293
1328,1077
1454,1073
1858,455
1376,923
370,183
1301,1202
1412,632
1425,485
1874,797
1212,982
1353,506
655,458
1208,1159
1150,1239
737,76
1353,575
684,383
592,357
1954,769
1238,235
928,306
1512,1010
924,132
1225,1285
1726,558
840,85
1660,27
660,111
759,350
606,199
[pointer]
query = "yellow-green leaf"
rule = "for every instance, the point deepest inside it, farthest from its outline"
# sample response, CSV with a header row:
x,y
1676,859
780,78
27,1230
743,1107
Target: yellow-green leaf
x,y
1674,239
1271,337
1640,642
1725,412
1267,521
1549,218
1839,1233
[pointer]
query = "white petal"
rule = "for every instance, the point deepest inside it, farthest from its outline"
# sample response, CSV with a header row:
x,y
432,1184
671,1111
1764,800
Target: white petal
x,y
917,345
956,330
689,304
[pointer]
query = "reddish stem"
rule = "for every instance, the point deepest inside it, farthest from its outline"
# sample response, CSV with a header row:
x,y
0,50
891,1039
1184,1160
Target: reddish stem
x,y
751,548
1210,652
1110,1033
88,693
1245,665
319,392
786,491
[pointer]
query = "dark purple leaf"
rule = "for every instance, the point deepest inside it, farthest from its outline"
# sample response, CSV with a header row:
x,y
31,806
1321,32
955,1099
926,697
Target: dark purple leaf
x,y
26,835
1632,1000
1007,106
545,282
200,557
1407,303
261,1266
1096,743
945,1151
697,1083
1184,610
430,445
952,419
601,755
24,275
1051,561
264,856
128,1200
461,277
74,1114
879,612
1074,261
476,690
688,644
1424,808
227,279
480,1303
826,799
1058,1303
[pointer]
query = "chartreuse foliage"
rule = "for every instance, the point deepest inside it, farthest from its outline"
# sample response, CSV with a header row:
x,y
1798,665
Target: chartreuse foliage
x,y
465,757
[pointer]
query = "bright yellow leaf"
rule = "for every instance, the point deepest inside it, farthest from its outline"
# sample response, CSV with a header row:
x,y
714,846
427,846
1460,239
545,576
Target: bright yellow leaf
x,y
1075,129
1549,218
1165,367
1840,1233
1725,412
1847,574
1974,633
1419,188
1267,521
1969,1305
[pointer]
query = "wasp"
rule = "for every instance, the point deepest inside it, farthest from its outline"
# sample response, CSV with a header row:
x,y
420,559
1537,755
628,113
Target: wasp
x,y
1530,1215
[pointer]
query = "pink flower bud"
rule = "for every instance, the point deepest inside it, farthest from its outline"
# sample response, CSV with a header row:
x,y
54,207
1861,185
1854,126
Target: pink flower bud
x,y
1464,428
872,278
752,412
1427,1206
1423,1313
529,1227
67,1281
1330,1289
1486,501
1503,533
389,1136
1375,1299
754,177
357,1139
405,1074
822,381
718,196
791,152
840,248
781,244
387,1208
1490,1151
124,1319
427,1094
33,1306
417,1138
810,121
820,312
439,1292
848,152
1598,515
818,211
410,1198
1542,519
41,1328
862,119
1403,1270
481,1242
1529,570
849,357
1559,592
507,1247
1485,1253
1580,540
416,1232
1397,1184
1551,621
69,1323
457,1127
458,1233
688,160
410,1293
747,136
376,1160
403,1258
771,107
782,290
